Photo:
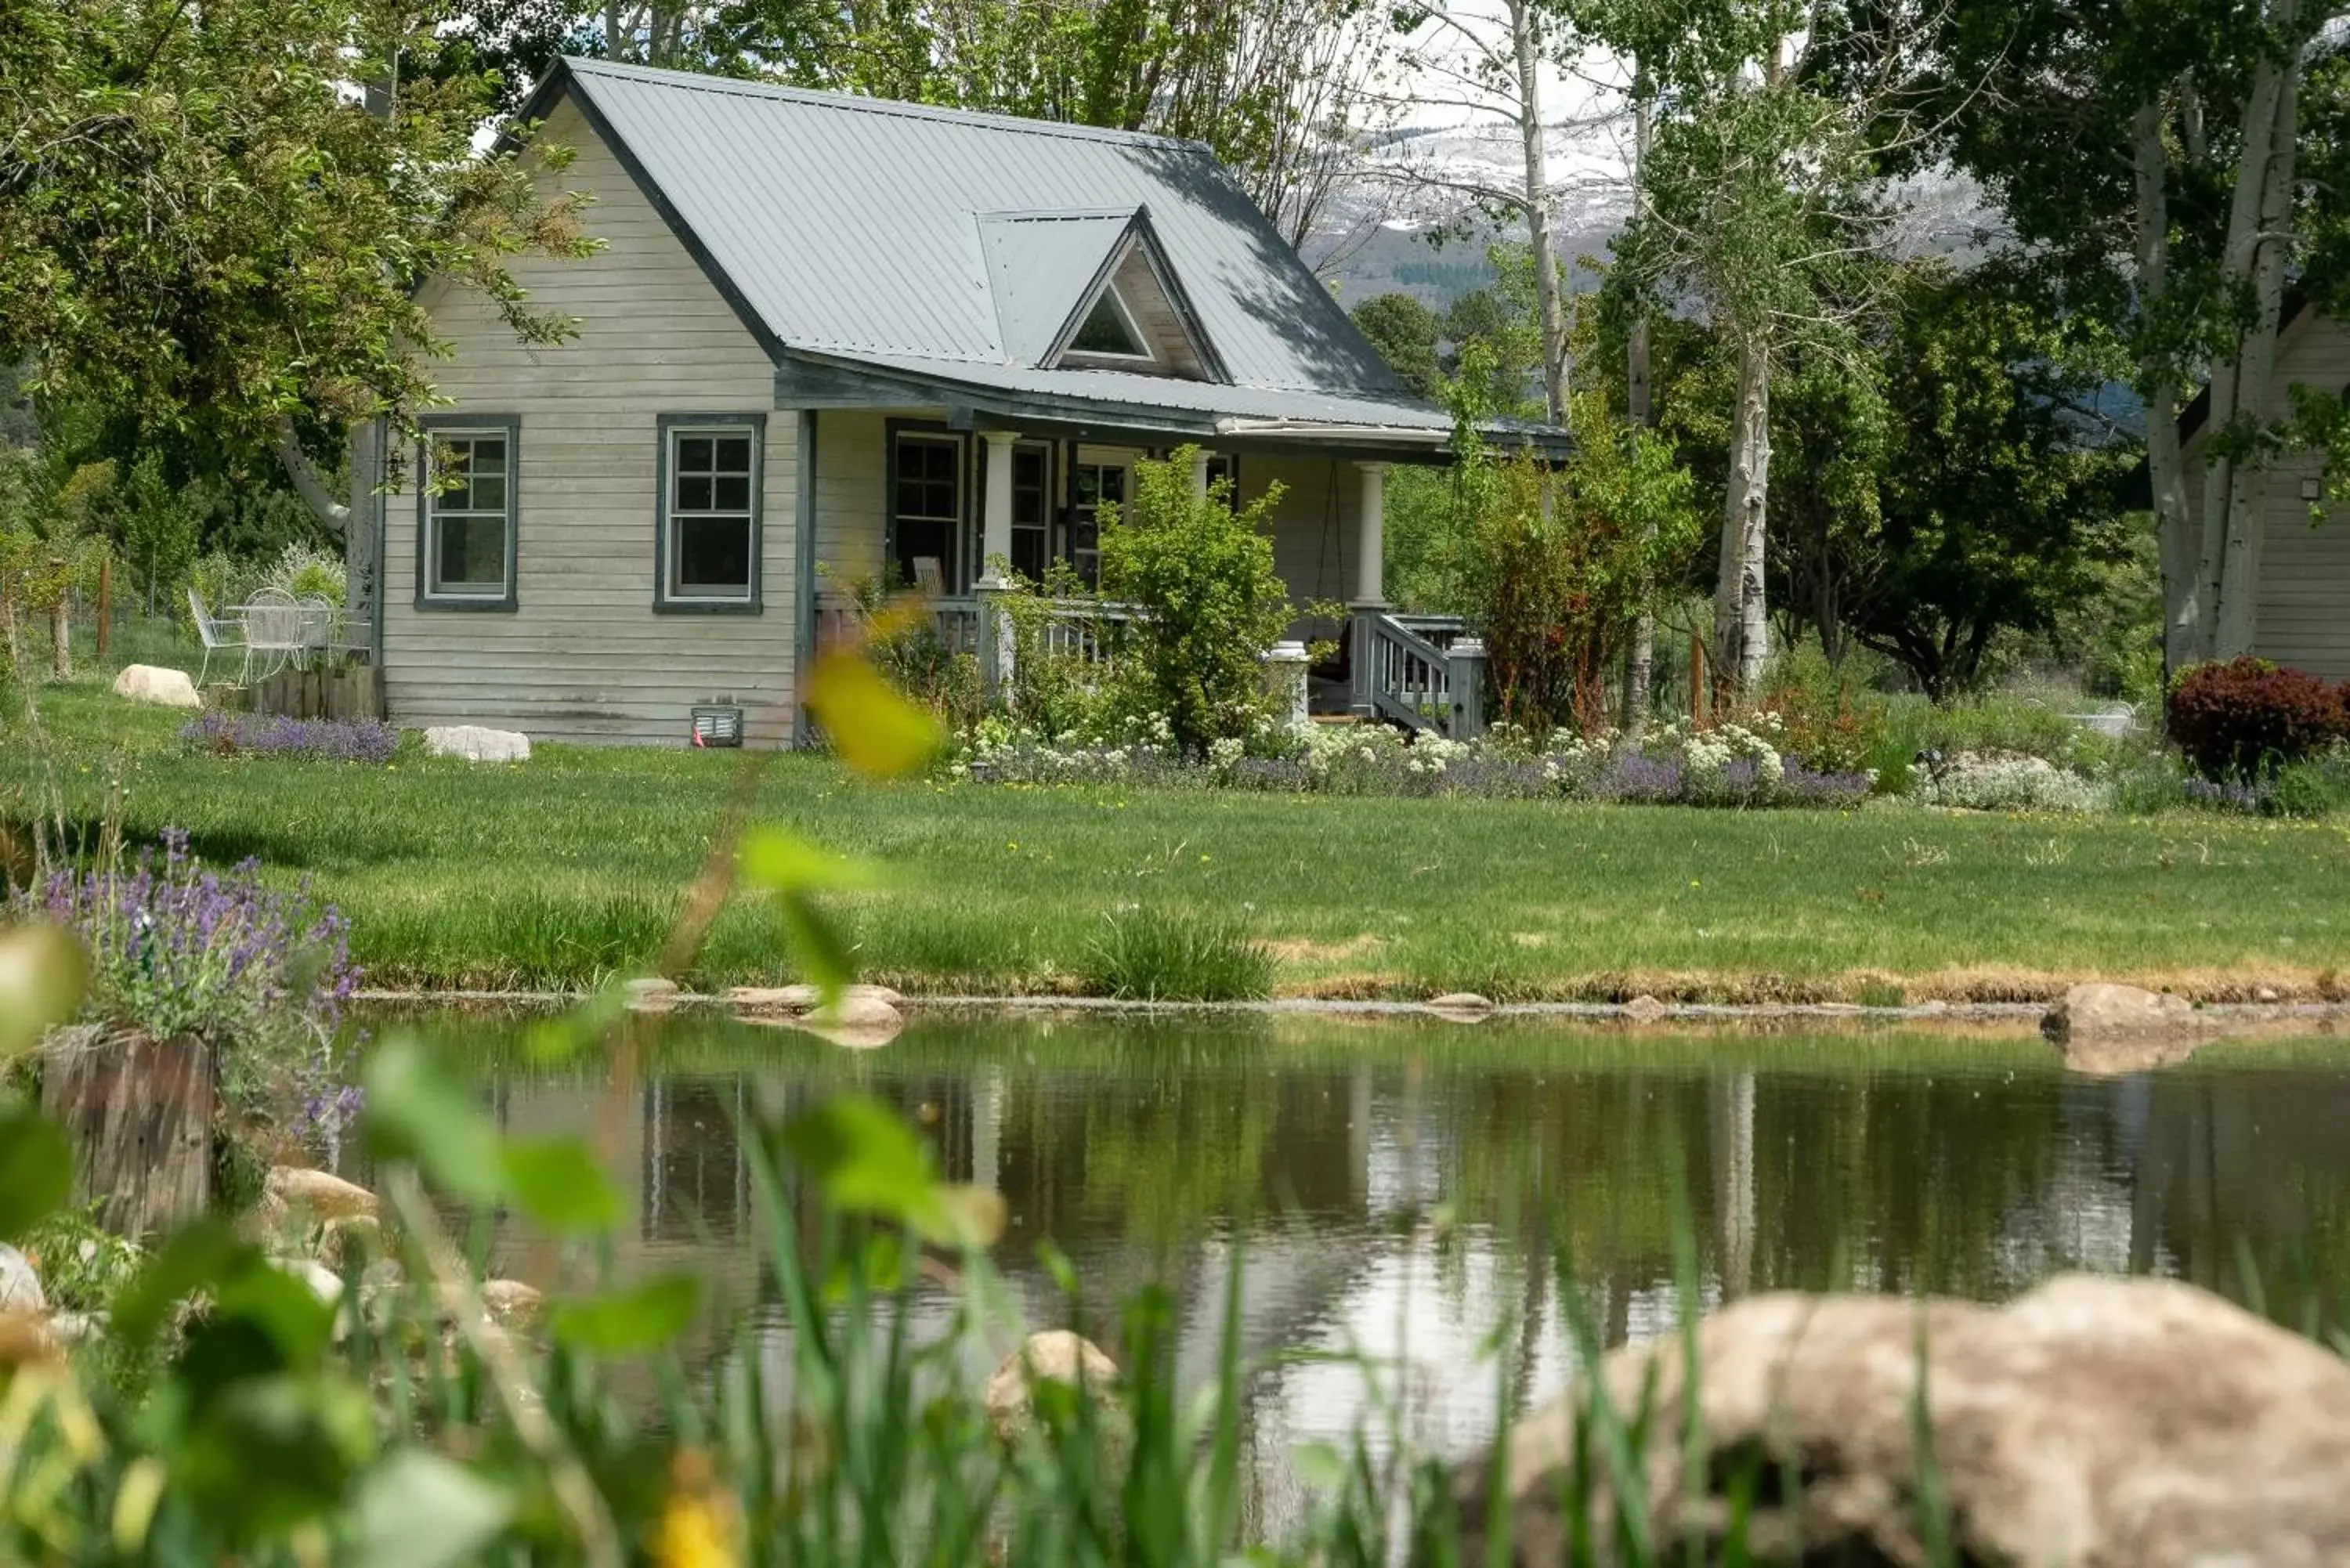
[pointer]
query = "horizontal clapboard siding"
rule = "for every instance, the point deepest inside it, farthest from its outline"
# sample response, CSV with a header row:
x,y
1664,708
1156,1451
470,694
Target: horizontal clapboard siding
x,y
2304,607
583,657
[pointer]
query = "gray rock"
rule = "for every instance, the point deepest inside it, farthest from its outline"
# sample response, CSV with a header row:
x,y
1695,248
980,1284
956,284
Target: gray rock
x,y
2109,1029
1645,1009
20,1285
2092,1424
476,743
1462,1007
650,993
320,1194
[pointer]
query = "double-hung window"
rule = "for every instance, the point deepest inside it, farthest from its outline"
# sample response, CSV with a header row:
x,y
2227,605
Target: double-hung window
x,y
710,512
465,513
926,519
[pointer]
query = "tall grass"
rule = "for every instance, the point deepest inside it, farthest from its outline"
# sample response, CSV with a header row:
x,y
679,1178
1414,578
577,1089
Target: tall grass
x,y
1154,955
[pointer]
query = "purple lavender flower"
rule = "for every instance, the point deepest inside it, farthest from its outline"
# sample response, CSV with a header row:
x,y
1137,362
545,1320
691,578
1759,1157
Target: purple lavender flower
x,y
258,734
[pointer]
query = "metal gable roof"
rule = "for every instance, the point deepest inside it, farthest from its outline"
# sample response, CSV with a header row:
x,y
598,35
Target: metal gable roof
x,y
853,227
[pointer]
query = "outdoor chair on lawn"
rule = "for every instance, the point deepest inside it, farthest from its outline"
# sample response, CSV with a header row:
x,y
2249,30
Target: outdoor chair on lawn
x,y
216,637
273,628
318,618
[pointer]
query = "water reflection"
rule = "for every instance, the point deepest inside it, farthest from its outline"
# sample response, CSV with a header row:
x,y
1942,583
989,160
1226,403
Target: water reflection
x,y
1386,1187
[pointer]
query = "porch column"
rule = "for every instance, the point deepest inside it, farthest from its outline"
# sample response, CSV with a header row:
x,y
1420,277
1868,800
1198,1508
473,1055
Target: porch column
x,y
1371,586
1370,536
995,649
1200,472
995,519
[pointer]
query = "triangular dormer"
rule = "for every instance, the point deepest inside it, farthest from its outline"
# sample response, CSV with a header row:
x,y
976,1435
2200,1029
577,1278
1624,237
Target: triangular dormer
x,y
1133,316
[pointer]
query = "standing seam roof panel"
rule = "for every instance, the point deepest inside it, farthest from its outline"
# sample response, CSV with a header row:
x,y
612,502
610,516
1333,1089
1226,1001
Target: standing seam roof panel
x,y
850,225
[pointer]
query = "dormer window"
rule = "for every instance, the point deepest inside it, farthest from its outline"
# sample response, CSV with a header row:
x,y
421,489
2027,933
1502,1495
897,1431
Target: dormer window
x,y
1108,330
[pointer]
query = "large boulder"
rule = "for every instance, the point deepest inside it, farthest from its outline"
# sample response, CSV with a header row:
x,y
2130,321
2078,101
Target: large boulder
x,y
153,683
864,1017
477,744
2094,1423
20,1284
1055,1355
2103,1028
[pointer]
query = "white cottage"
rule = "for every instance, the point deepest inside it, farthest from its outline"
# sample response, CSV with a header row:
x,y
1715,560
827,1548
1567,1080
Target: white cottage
x,y
832,338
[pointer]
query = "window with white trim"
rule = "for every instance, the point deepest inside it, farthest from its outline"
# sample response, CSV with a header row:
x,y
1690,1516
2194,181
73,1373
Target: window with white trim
x,y
468,497
711,523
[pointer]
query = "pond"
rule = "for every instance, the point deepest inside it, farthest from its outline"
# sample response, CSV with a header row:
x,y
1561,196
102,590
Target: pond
x,y
1384,1185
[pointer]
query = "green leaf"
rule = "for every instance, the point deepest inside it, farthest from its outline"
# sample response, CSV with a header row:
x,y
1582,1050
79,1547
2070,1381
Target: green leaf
x,y
42,970
876,730
865,1159
35,1168
418,1109
274,1451
815,946
630,1322
558,1183
416,1510
785,863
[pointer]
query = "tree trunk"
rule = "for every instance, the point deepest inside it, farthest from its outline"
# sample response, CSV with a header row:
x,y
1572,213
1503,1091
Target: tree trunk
x,y
1742,626
2238,584
2233,398
360,564
2166,465
61,635
1640,664
1522,31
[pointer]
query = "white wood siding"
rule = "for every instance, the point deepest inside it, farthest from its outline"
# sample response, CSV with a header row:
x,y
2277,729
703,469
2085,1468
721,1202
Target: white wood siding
x,y
1313,523
584,657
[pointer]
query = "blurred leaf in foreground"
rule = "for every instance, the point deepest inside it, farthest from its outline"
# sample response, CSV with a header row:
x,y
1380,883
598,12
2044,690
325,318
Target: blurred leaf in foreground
x,y
35,1168
42,971
419,1109
874,728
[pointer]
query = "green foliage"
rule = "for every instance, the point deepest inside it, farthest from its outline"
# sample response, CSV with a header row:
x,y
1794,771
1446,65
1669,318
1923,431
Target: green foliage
x,y
303,572
1404,331
1554,568
1200,567
208,235
1156,955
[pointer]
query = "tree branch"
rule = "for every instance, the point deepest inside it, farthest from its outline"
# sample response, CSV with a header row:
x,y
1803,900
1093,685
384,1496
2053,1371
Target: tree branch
x,y
308,483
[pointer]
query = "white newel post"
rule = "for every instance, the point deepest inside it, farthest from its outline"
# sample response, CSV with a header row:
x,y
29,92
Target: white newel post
x,y
994,563
1200,472
1286,669
1370,576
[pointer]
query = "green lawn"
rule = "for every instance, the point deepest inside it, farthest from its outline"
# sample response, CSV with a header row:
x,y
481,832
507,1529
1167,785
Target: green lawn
x,y
561,869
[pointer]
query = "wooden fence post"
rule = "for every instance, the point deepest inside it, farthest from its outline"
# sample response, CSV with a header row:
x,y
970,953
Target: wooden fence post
x,y
105,603
1696,678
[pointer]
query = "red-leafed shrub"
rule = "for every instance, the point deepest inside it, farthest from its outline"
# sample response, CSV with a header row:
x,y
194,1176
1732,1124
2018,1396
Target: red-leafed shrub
x,y
2249,715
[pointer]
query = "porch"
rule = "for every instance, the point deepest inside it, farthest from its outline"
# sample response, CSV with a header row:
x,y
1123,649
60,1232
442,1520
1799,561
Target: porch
x,y
910,503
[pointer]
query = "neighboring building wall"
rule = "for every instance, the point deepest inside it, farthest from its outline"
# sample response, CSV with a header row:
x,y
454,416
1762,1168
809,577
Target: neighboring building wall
x,y
583,657
2304,610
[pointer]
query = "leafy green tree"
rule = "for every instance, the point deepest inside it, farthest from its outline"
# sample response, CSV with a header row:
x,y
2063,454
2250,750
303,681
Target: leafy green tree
x,y
1404,331
2178,160
212,236
1203,571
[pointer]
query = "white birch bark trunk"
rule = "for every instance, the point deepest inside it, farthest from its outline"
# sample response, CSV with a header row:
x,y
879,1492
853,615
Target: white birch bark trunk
x,y
2229,393
1741,614
1524,35
1641,662
2233,622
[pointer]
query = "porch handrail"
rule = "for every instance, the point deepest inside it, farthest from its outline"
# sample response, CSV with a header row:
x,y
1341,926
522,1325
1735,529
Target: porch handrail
x,y
1414,680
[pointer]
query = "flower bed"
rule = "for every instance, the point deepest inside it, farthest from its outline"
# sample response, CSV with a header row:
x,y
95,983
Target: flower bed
x,y
1670,764
2009,782
271,734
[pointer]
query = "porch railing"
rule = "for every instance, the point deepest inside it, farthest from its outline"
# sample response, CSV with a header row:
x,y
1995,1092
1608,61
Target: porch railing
x,y
1423,671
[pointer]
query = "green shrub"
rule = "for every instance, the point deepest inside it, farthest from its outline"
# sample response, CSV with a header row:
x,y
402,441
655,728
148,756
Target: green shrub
x,y
1203,573
2316,787
1154,956
2249,716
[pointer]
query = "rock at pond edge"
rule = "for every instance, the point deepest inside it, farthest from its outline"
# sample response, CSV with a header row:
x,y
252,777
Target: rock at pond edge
x,y
1055,1355
2092,1422
20,1283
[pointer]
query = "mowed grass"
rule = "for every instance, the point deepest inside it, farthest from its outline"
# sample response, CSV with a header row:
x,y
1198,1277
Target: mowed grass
x,y
569,867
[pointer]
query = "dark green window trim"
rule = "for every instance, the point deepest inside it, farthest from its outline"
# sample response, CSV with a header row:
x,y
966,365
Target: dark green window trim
x,y
511,424
668,425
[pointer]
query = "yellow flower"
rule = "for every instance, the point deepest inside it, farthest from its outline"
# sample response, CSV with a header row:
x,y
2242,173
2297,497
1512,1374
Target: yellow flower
x,y
697,1524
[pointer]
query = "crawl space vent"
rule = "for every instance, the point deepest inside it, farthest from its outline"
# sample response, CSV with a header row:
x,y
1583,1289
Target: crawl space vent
x,y
717,725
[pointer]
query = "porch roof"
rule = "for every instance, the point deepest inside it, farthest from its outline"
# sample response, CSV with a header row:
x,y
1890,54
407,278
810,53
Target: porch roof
x,y
1214,414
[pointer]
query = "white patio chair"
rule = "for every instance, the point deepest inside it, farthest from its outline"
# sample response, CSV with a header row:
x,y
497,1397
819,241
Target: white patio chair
x,y
929,577
273,628
216,638
318,617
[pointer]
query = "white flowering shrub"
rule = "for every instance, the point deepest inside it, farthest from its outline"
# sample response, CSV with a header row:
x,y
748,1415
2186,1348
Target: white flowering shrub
x,y
1995,782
